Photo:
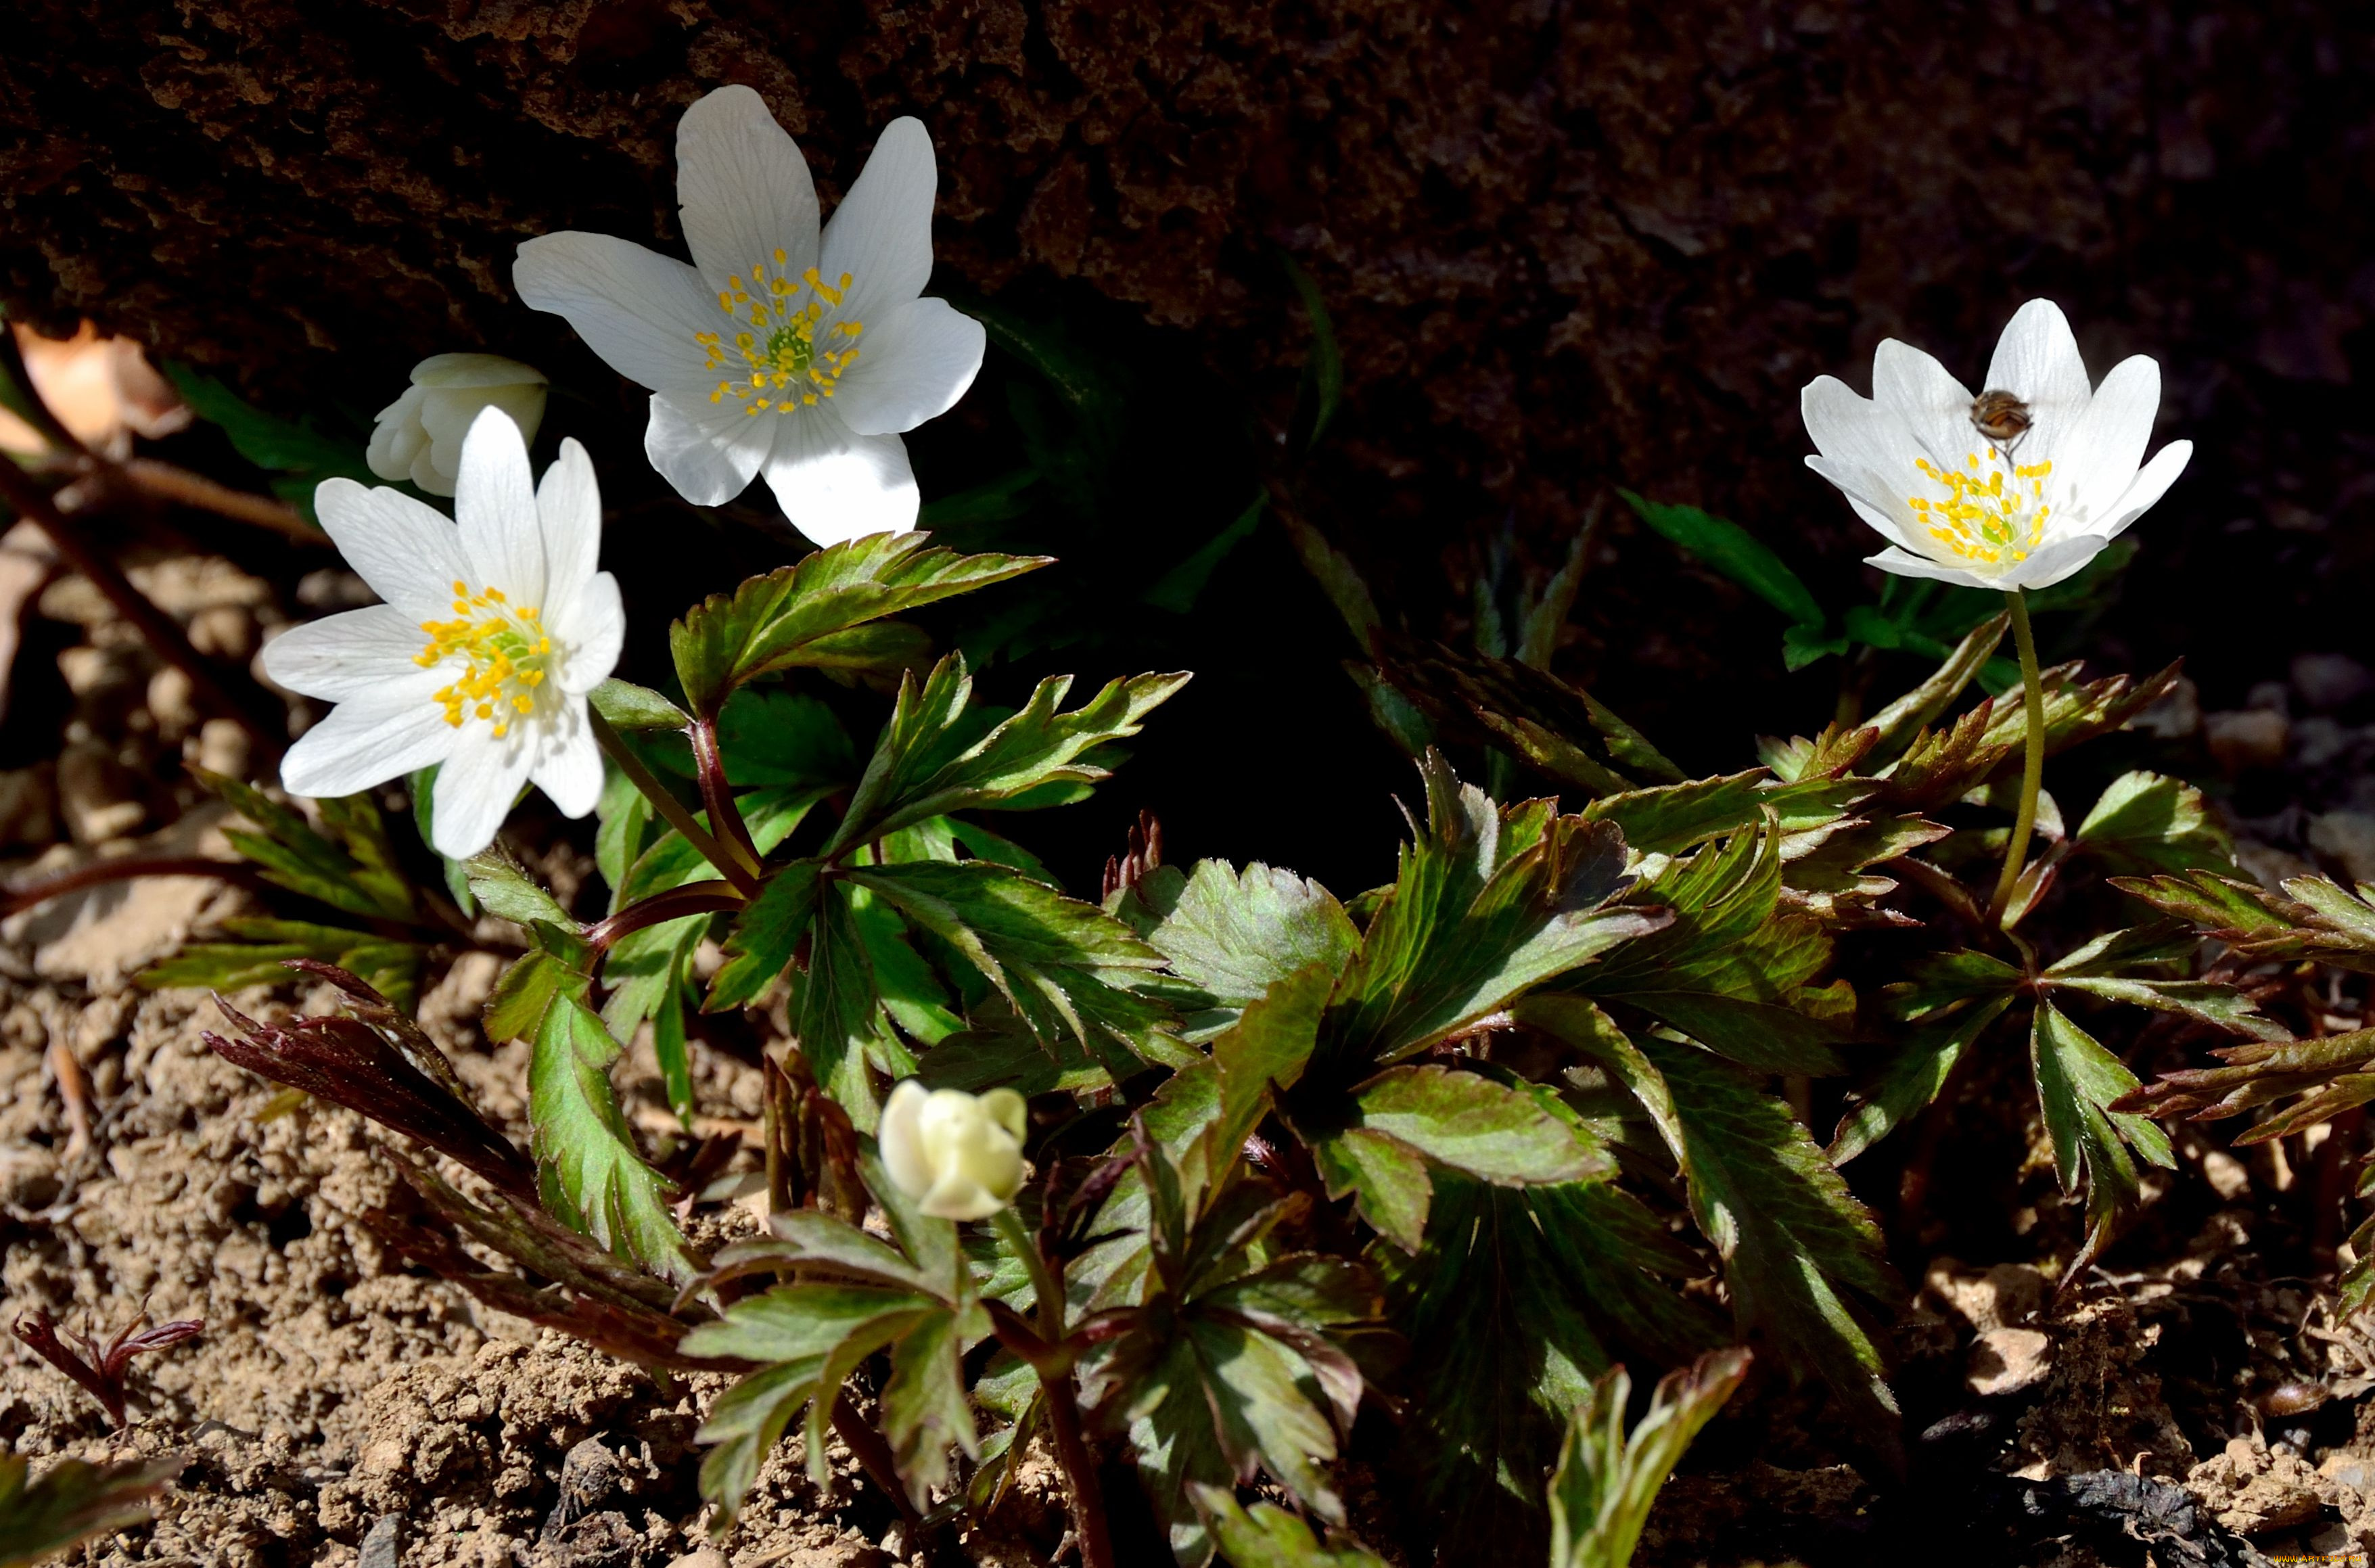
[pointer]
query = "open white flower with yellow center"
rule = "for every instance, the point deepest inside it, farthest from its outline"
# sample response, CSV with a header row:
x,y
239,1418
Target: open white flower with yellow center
x,y
958,1155
781,350
495,627
2017,487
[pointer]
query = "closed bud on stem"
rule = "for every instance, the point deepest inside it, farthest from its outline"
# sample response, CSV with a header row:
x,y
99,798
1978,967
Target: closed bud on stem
x,y
418,436
958,1155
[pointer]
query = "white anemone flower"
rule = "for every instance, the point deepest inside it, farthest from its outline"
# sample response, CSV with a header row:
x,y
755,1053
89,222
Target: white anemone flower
x,y
2016,488
495,627
958,1155
418,436
779,351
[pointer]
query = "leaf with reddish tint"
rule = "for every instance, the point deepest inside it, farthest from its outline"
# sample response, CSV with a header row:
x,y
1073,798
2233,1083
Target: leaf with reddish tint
x,y
377,1063
100,1367
73,1501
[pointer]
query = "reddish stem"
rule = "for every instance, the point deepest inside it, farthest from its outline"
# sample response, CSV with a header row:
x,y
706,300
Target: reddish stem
x,y
674,904
16,900
725,818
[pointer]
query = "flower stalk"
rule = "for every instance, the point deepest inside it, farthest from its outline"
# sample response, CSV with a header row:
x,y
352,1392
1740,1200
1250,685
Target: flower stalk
x,y
2032,773
1055,1370
671,810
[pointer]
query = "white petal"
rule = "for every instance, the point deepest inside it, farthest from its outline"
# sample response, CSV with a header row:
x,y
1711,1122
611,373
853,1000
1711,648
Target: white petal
x,y
476,788
2100,457
835,485
347,655
1892,521
569,769
1906,564
743,189
2062,558
2149,487
447,414
406,549
2037,359
1934,407
590,626
881,233
708,451
569,512
372,739
910,368
474,369
397,436
637,309
494,501
898,1139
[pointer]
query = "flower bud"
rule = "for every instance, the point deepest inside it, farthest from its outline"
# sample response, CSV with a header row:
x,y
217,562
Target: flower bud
x,y
418,436
959,1155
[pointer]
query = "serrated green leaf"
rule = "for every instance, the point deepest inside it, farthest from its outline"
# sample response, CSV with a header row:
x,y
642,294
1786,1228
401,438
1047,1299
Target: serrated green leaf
x,y
834,1009
588,1170
1268,1536
1675,818
1798,1248
2077,1082
353,868
260,958
73,1501
934,759
1606,1481
627,706
502,887
1913,1078
1490,902
764,935
1518,1298
925,1411
1731,550
1730,967
1561,730
1066,967
1236,934
2151,967
1895,726
780,620
2147,823
1501,1134
280,445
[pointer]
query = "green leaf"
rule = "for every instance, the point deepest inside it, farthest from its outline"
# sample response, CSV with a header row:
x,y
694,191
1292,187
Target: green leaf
x,y
1798,1248
628,707
502,887
835,1014
1066,967
352,869
1895,726
1730,967
260,958
1268,1536
1606,1481
2147,823
1727,548
588,1170
1561,730
624,815
1490,902
2077,1082
925,1410
1912,1078
1520,1297
933,758
73,1501
1675,818
766,931
1236,934
772,736
1474,1125
1178,589
1325,368
2152,967
790,617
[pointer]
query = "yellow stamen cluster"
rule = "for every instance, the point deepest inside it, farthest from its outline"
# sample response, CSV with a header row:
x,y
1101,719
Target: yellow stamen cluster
x,y
506,651
1981,519
793,359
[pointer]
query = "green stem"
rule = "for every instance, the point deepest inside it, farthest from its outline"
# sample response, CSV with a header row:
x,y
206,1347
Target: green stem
x,y
2032,773
1063,1406
671,808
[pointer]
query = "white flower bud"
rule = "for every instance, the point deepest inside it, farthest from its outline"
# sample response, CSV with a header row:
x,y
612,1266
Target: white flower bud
x,y
959,1155
418,436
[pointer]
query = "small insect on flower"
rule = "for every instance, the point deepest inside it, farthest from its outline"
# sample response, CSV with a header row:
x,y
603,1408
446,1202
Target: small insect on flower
x,y
495,628
2001,417
780,351
2017,488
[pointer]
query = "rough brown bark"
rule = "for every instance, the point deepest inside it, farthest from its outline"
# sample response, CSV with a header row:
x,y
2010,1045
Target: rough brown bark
x,y
1566,243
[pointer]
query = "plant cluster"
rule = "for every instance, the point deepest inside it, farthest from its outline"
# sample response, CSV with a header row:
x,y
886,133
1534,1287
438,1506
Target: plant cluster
x,y
1225,1176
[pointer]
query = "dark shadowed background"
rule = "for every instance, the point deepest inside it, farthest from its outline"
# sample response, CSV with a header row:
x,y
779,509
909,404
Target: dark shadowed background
x,y
1564,247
